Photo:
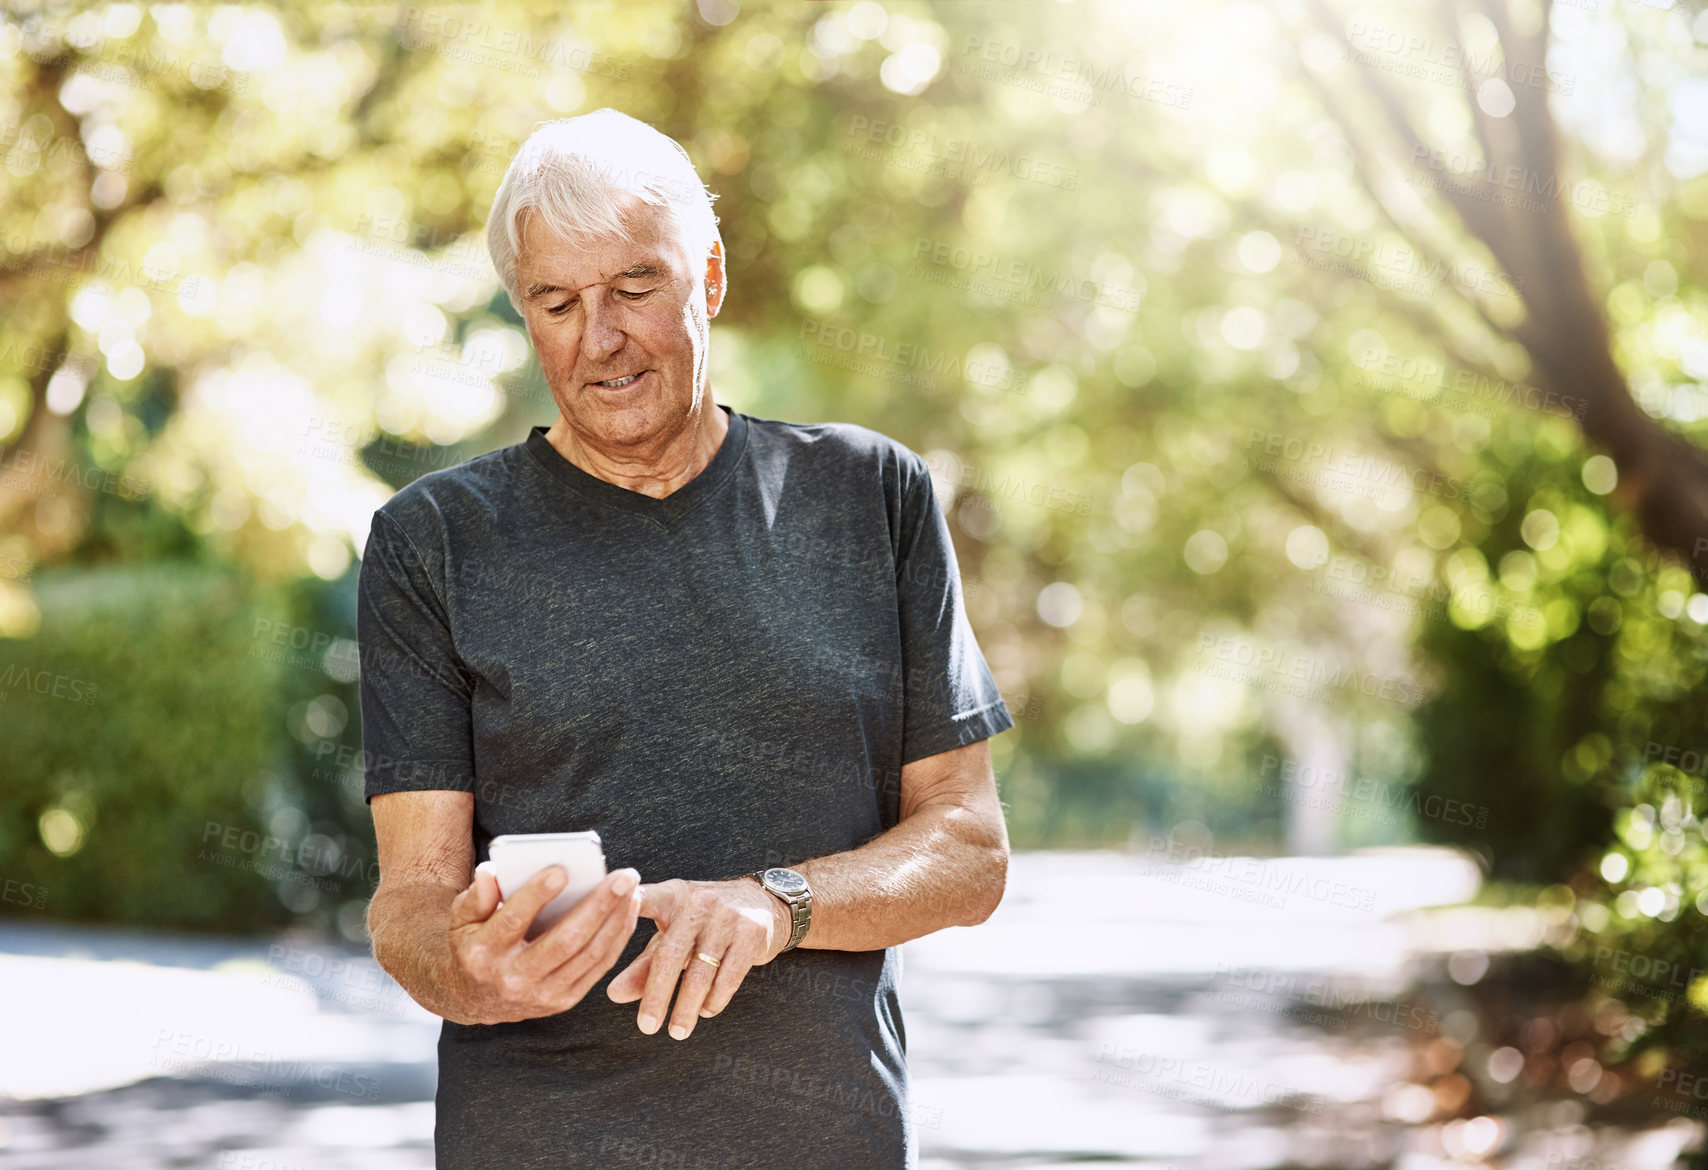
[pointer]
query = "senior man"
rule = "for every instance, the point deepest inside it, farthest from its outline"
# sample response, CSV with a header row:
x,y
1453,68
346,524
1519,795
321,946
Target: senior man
x,y
733,646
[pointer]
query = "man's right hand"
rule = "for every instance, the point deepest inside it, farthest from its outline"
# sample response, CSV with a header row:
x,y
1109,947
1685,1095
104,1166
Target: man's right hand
x,y
505,977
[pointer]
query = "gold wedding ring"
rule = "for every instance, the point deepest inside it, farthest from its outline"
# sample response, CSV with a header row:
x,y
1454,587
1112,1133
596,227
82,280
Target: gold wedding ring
x,y
705,958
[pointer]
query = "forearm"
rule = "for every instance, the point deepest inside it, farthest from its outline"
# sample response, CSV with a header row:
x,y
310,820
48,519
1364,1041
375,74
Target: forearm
x,y
411,929
945,865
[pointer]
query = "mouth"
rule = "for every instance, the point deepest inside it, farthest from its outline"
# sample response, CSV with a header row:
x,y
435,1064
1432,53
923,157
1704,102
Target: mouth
x,y
622,383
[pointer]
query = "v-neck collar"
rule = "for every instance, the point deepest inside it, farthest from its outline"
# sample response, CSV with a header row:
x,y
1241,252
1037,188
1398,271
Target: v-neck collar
x,y
672,507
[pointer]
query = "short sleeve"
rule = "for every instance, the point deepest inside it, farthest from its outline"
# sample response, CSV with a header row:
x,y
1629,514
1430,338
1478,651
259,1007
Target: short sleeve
x,y
415,691
951,699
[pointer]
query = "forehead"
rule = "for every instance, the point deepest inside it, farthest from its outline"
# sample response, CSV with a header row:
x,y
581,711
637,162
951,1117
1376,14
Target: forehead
x,y
575,262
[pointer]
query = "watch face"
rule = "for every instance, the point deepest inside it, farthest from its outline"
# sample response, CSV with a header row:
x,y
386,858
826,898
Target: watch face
x,y
785,881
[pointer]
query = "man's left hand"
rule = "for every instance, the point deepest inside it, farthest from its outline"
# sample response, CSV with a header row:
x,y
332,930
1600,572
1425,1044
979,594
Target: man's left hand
x,y
735,922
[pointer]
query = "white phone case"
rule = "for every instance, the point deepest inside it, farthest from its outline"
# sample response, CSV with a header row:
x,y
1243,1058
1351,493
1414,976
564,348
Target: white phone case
x,y
516,857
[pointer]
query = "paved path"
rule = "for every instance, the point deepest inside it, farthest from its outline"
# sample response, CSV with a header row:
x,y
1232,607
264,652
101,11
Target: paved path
x,y
1222,1014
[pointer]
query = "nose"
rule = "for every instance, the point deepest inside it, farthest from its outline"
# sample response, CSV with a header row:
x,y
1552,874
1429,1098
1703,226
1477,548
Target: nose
x,y
604,334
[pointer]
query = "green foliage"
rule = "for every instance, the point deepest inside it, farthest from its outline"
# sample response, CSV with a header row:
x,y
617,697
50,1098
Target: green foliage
x,y
1643,907
1643,928
1530,656
1572,710
1117,801
134,721
184,747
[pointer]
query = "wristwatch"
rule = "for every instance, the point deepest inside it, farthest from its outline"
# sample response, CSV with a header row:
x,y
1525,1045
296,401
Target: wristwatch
x,y
792,888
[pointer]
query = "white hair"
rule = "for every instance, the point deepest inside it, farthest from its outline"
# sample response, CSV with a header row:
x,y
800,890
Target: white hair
x,y
570,173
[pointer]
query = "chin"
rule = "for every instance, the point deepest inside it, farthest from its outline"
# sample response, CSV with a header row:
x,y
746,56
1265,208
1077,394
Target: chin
x,y
629,422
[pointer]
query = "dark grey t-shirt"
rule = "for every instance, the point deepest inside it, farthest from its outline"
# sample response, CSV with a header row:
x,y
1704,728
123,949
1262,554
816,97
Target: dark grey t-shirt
x,y
727,678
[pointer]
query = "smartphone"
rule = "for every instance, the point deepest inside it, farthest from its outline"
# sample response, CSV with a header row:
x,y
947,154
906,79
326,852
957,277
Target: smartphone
x,y
516,857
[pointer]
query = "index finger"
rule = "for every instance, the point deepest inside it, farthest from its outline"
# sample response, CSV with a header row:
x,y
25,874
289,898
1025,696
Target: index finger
x,y
564,939
517,913
668,962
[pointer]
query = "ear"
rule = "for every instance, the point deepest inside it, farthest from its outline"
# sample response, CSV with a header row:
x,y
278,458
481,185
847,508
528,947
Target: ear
x,y
714,279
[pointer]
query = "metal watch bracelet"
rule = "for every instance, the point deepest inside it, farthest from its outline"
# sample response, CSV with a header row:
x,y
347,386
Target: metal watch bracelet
x,y
800,905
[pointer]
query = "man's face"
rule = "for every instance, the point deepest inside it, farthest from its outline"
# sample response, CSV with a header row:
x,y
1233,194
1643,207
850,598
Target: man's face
x,y
604,308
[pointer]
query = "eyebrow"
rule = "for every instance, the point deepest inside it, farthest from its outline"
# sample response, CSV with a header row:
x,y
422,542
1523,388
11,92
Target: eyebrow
x,y
634,271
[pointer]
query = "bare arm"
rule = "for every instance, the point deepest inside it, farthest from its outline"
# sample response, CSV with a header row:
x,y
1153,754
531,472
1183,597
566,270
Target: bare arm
x,y
451,945
944,864
426,854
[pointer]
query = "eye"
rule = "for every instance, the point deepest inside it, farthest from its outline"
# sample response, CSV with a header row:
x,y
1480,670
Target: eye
x,y
560,310
635,296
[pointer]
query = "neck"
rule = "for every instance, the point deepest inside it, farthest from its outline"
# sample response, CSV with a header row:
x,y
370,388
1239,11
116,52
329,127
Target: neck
x,y
660,468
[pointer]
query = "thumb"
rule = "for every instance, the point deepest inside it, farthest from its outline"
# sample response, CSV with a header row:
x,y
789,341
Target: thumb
x,y
477,903
659,899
